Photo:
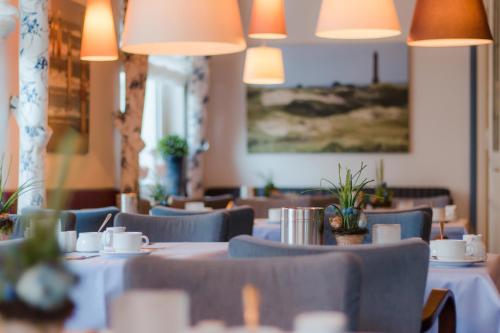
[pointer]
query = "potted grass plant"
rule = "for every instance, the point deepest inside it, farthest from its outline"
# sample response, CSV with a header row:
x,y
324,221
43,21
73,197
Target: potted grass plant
x,y
174,149
35,282
383,196
348,222
8,201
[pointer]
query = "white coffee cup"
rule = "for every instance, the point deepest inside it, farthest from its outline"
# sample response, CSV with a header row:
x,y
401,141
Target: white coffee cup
x,y
195,205
160,311
448,249
89,242
67,240
107,237
475,246
274,214
320,322
129,241
438,214
386,233
450,212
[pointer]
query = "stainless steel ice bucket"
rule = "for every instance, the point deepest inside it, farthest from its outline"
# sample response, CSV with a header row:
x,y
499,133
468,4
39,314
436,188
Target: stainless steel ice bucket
x,y
302,225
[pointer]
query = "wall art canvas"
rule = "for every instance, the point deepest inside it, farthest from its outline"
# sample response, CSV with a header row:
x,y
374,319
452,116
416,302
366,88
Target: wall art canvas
x,y
69,78
338,99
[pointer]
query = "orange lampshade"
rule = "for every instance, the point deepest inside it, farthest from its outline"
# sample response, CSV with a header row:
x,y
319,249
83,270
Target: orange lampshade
x,y
99,36
358,19
449,23
264,65
183,27
268,19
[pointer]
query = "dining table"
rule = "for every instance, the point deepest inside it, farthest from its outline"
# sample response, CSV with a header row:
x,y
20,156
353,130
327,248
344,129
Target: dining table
x,y
476,288
271,230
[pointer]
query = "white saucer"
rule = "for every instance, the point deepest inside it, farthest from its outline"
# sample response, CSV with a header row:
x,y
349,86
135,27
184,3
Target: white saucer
x,y
113,254
455,262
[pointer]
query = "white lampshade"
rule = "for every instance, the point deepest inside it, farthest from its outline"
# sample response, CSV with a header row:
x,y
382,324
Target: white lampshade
x,y
99,36
264,65
183,27
358,19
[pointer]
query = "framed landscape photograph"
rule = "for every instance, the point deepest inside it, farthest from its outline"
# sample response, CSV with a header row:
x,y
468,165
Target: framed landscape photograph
x,y
69,78
364,108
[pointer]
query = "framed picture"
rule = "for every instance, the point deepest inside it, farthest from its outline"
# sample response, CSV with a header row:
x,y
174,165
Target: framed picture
x,y
69,78
338,99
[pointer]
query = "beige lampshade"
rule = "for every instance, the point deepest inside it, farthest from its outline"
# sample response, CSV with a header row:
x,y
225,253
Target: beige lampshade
x,y
268,20
358,19
264,65
99,36
449,23
183,27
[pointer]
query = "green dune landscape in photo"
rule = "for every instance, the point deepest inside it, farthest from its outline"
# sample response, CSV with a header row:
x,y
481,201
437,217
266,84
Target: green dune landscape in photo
x,y
341,118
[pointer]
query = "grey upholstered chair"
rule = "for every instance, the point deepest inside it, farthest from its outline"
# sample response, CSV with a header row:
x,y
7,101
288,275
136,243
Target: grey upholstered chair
x,y
210,227
415,222
289,286
89,220
394,278
240,219
261,205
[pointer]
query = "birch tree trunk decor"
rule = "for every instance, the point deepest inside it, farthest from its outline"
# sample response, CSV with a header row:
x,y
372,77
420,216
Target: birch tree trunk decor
x,y
129,122
197,101
31,110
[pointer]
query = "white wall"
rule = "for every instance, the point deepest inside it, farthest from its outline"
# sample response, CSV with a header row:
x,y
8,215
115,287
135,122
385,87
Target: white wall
x,y
439,120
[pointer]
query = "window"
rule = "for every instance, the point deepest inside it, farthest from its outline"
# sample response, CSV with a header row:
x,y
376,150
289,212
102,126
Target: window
x,y
164,113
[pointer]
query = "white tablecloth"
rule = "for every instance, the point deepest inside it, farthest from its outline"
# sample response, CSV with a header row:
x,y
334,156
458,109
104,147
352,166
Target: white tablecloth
x,y
271,231
476,289
101,280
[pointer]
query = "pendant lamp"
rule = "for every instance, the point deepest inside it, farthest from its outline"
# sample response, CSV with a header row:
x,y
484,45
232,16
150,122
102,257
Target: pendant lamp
x,y
183,27
264,65
99,36
268,20
358,19
449,23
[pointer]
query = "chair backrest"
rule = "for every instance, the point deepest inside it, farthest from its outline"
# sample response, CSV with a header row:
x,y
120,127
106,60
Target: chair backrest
x,y
215,202
240,219
415,222
288,286
68,219
394,278
323,200
261,205
210,227
89,220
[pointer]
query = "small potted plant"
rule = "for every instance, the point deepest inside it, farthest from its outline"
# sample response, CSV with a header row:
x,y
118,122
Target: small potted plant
x,y
269,188
382,197
348,223
158,194
35,283
7,202
174,149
